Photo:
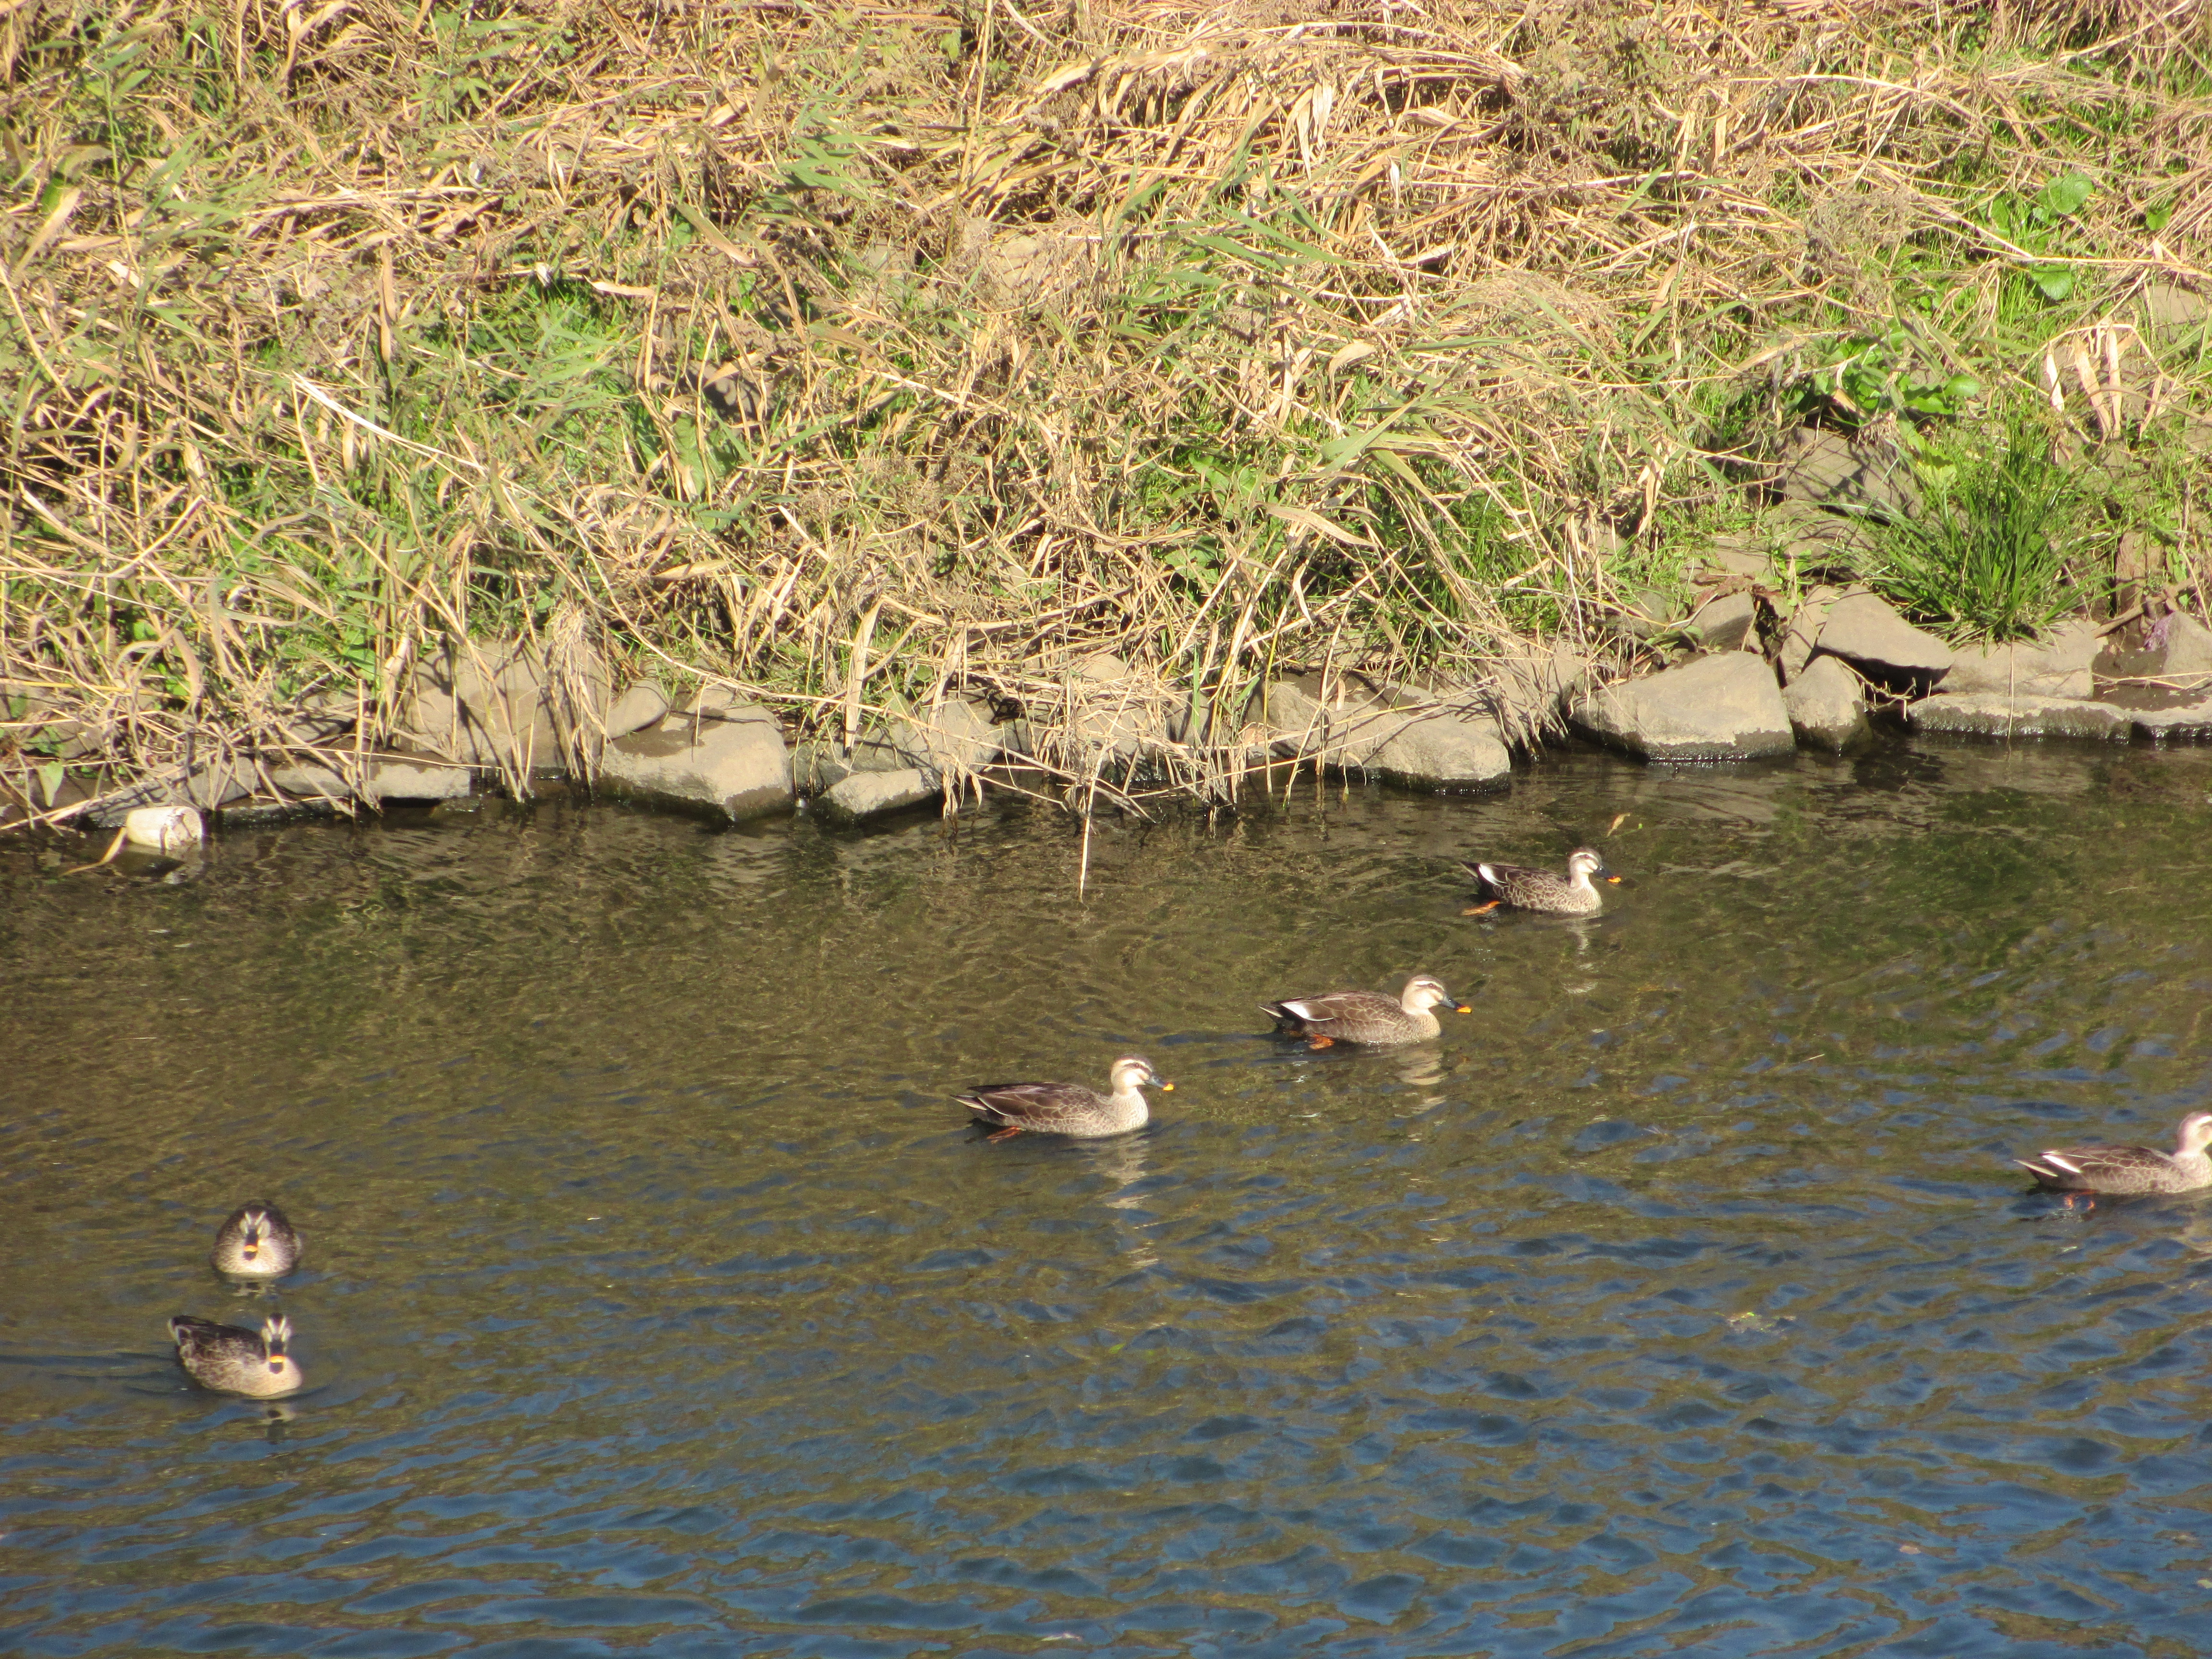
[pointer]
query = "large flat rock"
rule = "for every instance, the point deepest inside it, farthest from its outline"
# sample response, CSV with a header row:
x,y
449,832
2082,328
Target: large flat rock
x,y
2189,719
731,766
1436,750
1865,630
1407,736
1726,707
2057,666
1995,714
381,777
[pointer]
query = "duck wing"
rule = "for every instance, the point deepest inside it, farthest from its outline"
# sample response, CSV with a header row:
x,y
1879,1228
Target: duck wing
x,y
194,1336
1509,881
1029,1105
2088,1169
1324,1014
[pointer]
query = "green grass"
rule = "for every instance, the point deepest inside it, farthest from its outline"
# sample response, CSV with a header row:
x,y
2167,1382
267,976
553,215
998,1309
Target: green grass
x,y
2007,540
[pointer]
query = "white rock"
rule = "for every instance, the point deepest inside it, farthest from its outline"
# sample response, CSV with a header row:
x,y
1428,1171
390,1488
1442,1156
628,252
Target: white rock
x,y
171,829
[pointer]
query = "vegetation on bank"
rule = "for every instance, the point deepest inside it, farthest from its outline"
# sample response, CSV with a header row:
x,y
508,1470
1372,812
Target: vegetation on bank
x,y
849,354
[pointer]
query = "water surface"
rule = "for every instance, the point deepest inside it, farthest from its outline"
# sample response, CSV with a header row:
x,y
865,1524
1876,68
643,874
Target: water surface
x,y
658,1301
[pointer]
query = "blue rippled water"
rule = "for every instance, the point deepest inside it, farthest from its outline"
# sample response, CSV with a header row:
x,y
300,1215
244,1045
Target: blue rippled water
x,y
657,1301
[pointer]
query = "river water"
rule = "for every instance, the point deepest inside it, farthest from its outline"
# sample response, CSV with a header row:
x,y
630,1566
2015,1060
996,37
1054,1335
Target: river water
x,y
657,1301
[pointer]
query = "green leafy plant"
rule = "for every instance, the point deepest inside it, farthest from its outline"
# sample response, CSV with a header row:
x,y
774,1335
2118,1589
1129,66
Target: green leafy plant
x,y
1887,373
2030,223
2000,547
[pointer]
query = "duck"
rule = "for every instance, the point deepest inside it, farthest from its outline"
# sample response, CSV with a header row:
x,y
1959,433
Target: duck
x,y
256,1242
233,1359
1519,888
1068,1109
1367,1017
2129,1169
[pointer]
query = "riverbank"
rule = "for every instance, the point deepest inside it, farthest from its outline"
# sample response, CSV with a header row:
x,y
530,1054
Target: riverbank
x,y
397,393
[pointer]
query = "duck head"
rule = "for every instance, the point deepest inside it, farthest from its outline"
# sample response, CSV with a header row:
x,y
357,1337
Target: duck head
x,y
1424,992
1133,1071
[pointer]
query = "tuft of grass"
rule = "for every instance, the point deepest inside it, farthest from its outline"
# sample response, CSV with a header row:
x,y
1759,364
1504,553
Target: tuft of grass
x,y
2008,538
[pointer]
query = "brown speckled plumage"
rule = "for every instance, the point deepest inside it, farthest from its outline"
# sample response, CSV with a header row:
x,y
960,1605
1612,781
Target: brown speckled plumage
x,y
1068,1109
1365,1016
2103,1169
1520,888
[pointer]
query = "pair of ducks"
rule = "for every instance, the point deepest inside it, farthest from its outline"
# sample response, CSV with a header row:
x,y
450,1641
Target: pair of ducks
x,y
1068,1108
1362,1017
256,1243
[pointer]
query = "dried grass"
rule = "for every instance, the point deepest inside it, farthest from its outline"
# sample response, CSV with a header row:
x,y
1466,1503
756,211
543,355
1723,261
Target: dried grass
x,y
849,355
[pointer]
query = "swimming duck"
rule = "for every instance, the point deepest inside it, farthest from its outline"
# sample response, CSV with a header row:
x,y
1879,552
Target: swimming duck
x,y
1068,1109
256,1242
1366,1016
1520,888
2129,1169
236,1360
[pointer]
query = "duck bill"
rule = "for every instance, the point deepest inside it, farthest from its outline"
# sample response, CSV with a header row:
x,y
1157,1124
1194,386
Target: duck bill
x,y
1462,1008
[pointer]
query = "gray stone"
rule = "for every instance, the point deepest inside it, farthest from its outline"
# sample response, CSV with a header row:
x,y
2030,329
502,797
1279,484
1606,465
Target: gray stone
x,y
1725,621
2174,311
1112,718
1290,717
2189,719
2176,655
636,709
870,794
209,786
1847,470
1827,708
1645,613
1801,633
1724,707
1812,542
2057,666
719,702
384,777
1528,697
1864,629
1995,714
2187,644
816,766
482,704
725,767
1439,749
395,777
1740,553
955,737
1407,735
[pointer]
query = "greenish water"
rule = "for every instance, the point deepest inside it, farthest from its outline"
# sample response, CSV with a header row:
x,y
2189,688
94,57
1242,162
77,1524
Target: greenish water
x,y
657,1300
